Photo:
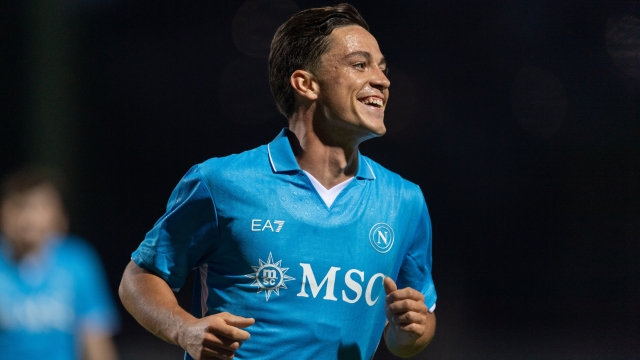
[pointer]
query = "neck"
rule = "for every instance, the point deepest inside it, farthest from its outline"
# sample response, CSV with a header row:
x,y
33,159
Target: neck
x,y
20,250
330,160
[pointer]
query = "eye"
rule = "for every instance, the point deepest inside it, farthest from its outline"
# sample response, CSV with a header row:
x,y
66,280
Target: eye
x,y
359,65
385,71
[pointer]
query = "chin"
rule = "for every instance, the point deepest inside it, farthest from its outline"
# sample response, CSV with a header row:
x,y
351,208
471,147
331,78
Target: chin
x,y
377,128
374,132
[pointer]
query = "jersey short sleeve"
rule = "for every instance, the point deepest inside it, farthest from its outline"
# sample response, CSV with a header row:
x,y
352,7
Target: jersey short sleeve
x,y
415,271
185,236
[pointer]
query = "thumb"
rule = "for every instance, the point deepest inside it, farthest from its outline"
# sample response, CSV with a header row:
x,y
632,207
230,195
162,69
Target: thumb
x,y
389,285
239,321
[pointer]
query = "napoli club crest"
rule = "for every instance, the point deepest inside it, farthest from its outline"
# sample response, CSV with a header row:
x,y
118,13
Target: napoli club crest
x,y
381,237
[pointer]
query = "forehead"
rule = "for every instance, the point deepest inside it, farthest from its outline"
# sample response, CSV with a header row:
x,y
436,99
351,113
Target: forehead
x,y
41,194
348,39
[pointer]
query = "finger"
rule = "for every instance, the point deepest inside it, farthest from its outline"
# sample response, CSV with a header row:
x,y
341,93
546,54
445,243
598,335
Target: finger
x,y
216,354
406,293
213,341
409,317
414,330
406,305
239,321
389,285
230,332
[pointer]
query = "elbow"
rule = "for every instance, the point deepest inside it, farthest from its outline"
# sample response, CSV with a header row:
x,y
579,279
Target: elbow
x,y
123,289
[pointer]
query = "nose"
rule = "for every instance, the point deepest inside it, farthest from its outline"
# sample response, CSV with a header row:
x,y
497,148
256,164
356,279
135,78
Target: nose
x,y
380,80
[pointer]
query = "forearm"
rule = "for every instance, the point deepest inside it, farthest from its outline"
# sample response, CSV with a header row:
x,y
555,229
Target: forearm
x,y
150,300
411,349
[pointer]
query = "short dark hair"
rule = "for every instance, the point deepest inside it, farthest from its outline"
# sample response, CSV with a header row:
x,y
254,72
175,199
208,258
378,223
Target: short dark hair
x,y
29,177
299,43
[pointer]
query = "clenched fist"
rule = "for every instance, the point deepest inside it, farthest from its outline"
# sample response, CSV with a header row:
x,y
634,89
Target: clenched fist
x,y
216,336
410,325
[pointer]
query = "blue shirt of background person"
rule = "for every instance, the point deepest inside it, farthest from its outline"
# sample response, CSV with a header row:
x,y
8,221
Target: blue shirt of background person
x,y
54,299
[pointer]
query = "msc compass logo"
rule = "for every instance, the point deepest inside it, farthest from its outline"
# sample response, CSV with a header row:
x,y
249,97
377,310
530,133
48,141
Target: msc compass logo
x,y
381,237
269,277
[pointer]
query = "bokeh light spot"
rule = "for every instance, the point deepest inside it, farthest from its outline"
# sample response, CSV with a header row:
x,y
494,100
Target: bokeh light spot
x,y
623,43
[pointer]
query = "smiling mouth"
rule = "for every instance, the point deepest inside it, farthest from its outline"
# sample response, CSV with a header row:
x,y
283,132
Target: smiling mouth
x,y
373,101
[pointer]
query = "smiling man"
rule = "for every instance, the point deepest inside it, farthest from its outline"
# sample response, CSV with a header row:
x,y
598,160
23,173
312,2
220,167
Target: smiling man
x,y
303,248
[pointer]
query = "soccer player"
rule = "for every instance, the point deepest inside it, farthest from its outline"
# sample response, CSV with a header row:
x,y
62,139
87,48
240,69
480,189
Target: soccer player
x,y
54,300
303,248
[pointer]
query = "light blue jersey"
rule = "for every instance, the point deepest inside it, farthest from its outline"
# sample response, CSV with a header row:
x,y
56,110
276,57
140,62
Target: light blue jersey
x,y
48,300
265,245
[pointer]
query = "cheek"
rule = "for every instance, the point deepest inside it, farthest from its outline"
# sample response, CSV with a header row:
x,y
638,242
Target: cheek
x,y
333,93
37,219
46,219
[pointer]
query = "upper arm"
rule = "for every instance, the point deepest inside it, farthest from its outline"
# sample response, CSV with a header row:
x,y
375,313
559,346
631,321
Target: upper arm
x,y
138,282
144,294
185,236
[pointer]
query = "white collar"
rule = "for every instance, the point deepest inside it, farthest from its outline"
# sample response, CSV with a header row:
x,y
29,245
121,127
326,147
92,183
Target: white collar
x,y
328,195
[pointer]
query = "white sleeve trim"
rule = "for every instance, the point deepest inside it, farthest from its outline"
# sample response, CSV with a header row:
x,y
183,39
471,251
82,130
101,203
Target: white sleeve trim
x,y
432,308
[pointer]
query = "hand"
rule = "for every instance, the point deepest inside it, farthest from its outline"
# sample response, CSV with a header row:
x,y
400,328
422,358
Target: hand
x,y
216,336
408,316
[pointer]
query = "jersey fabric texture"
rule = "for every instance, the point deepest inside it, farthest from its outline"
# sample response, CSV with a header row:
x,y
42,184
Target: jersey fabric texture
x,y
265,245
47,300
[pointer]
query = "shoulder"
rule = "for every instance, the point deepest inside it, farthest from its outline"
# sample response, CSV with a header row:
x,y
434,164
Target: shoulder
x,y
235,165
391,181
74,249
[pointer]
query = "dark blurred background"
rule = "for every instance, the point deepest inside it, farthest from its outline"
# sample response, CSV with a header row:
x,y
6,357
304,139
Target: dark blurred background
x,y
520,120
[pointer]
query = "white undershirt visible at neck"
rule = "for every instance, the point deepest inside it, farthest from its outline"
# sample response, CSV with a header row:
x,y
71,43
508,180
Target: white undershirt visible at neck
x,y
327,195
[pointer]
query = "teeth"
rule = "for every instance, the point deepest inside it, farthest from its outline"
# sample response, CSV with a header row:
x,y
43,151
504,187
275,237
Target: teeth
x,y
372,101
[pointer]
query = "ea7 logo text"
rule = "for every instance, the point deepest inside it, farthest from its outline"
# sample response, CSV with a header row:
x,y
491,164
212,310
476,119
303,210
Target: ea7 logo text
x,y
258,225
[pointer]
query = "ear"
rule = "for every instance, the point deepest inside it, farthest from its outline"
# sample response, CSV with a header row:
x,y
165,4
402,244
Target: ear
x,y
304,84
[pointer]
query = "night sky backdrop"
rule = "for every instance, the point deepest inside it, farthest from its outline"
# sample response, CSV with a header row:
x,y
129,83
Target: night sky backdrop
x,y
520,121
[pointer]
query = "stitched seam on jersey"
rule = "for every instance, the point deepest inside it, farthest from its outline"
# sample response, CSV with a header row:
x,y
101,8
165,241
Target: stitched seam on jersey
x,y
213,202
417,221
204,289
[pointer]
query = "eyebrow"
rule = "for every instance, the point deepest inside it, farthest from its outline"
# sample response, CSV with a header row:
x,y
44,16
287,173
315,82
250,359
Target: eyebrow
x,y
366,55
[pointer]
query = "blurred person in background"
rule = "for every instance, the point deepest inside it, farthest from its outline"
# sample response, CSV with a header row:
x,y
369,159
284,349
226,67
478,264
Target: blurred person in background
x,y
54,298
